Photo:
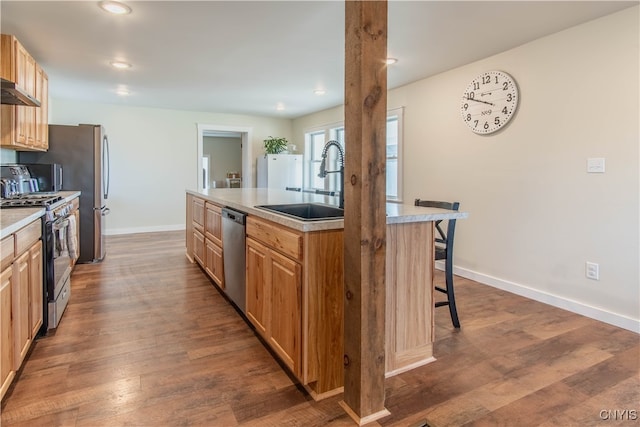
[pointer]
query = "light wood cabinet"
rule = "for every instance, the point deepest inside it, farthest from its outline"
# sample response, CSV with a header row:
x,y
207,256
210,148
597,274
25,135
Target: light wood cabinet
x,y
7,371
23,127
213,223
20,309
286,309
21,299
213,264
274,301
198,247
257,280
41,114
274,289
36,288
204,237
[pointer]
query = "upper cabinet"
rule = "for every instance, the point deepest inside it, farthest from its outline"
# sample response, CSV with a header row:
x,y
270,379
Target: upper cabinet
x,y
23,127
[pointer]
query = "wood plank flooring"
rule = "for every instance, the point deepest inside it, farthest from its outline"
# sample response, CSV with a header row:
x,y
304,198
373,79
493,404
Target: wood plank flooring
x,y
148,341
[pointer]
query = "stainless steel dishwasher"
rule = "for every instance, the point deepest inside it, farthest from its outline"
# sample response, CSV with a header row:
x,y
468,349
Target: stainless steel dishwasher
x,y
233,241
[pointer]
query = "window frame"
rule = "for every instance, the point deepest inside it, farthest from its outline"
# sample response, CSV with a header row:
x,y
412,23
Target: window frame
x,y
335,131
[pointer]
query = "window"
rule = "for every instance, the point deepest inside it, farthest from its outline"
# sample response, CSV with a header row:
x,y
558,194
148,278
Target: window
x,y
317,137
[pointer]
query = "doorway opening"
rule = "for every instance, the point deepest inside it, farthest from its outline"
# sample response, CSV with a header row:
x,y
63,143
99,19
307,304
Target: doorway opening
x,y
228,149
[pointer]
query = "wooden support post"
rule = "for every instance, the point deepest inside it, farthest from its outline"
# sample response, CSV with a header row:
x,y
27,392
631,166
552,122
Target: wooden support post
x,y
365,218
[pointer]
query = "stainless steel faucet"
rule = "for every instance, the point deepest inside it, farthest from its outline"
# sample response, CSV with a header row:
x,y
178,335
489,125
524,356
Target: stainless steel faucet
x,y
323,167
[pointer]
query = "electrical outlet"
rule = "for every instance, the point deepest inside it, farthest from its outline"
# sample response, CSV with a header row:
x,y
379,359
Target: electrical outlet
x,y
592,271
595,165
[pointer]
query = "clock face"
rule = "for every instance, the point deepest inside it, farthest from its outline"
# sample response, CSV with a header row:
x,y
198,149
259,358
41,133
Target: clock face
x,y
489,102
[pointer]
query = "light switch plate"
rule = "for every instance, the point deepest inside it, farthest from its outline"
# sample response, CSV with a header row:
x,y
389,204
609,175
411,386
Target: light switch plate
x,y
595,165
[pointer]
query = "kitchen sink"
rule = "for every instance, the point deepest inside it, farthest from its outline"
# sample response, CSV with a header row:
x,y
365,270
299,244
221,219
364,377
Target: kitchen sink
x,y
306,211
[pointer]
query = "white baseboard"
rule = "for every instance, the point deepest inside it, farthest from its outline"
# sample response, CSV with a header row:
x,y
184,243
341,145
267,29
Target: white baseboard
x,y
133,230
605,316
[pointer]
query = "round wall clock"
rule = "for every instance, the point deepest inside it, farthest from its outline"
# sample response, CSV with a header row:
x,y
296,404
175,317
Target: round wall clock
x,y
489,102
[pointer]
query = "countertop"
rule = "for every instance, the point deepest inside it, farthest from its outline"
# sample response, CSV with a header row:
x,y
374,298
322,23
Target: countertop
x,y
246,200
13,219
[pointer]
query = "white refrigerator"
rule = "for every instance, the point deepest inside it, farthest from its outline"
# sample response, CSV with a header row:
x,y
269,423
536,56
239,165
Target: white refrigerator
x,y
280,171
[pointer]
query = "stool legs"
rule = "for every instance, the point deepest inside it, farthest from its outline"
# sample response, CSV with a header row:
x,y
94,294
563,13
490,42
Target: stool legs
x,y
450,295
451,299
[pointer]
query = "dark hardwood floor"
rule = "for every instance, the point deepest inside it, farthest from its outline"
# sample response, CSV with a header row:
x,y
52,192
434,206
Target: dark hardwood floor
x,y
148,341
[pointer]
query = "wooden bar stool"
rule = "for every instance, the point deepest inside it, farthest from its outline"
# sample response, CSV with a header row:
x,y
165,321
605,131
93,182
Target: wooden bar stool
x,y
444,250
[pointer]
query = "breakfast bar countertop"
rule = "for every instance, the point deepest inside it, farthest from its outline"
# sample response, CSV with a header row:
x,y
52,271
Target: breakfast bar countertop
x,y
246,200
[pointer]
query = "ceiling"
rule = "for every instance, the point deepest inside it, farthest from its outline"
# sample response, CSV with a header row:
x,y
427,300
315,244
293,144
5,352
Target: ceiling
x,y
242,57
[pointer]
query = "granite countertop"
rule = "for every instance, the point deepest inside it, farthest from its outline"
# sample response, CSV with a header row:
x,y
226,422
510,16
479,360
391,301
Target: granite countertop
x,y
246,200
13,219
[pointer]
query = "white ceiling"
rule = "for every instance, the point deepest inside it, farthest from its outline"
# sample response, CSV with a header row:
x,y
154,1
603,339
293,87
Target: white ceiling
x,y
244,57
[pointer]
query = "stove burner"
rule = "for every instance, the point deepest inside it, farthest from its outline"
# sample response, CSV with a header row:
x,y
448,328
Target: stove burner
x,y
31,200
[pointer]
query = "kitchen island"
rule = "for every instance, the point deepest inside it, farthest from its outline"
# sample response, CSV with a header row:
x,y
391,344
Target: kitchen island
x,y
294,279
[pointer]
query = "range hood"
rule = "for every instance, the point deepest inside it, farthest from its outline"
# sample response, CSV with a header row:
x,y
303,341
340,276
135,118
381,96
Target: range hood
x,y
12,94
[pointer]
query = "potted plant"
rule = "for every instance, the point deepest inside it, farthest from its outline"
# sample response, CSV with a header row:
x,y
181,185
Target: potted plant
x,y
275,145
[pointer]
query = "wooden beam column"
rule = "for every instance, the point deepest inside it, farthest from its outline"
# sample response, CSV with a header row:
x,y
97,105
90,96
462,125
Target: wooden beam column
x,y
365,218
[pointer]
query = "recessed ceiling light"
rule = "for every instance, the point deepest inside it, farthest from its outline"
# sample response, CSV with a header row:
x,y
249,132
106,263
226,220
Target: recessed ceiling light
x,y
319,91
280,106
390,61
120,65
123,92
115,7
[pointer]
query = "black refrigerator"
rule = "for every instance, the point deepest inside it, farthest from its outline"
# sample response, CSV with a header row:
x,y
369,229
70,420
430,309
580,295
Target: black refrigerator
x,y
83,152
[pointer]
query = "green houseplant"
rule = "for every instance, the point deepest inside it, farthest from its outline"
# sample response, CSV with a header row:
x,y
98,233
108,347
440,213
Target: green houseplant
x,y
275,145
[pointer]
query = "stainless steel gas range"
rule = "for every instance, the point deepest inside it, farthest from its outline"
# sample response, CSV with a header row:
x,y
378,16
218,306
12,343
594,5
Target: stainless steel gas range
x,y
58,250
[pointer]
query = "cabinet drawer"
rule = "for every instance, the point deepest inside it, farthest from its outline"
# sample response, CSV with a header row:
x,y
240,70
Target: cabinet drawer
x,y
276,236
6,251
27,236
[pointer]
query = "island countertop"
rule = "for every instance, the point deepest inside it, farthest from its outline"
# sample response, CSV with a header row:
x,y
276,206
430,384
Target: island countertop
x,y
246,200
13,219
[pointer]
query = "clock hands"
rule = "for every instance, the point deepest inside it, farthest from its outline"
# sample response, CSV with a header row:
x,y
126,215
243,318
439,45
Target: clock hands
x,y
477,100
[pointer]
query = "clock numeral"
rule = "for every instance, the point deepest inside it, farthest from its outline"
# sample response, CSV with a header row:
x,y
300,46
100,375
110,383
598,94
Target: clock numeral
x,y
476,85
468,117
496,79
471,95
509,97
486,79
465,106
496,121
505,85
504,111
475,123
486,125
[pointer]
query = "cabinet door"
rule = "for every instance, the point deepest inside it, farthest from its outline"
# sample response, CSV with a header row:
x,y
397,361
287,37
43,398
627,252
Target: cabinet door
x,y
198,247
23,65
286,316
7,371
41,114
35,288
20,309
198,214
213,224
213,262
258,286
25,116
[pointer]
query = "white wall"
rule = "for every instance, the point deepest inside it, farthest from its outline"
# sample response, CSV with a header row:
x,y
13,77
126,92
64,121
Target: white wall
x,y
536,216
153,157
